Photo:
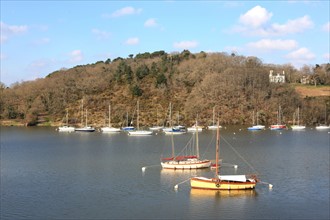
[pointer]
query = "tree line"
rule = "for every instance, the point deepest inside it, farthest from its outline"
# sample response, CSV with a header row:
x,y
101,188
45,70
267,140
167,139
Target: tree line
x,y
194,83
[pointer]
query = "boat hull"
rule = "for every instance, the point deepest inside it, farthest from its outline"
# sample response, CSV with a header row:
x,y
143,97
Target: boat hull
x,y
139,133
66,129
322,127
174,132
110,130
193,129
215,184
256,127
85,129
213,127
277,127
186,164
298,127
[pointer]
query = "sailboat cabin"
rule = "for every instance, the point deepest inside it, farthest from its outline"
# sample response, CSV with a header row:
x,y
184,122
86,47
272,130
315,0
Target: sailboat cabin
x,y
278,78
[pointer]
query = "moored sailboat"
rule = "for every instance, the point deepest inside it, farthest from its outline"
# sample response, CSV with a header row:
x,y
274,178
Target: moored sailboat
x,y
213,126
109,128
66,128
223,182
139,132
173,130
278,126
298,126
86,128
185,161
256,127
323,126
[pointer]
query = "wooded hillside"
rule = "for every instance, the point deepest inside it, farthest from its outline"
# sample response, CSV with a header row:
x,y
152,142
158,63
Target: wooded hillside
x,y
194,84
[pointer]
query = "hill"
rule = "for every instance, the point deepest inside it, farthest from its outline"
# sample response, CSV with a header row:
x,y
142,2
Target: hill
x,y
193,83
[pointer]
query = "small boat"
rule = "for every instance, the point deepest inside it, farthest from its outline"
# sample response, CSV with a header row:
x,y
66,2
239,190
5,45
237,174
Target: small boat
x,y
223,182
256,127
278,126
86,128
322,127
139,132
186,161
128,127
109,128
66,128
156,127
297,126
195,128
213,126
174,131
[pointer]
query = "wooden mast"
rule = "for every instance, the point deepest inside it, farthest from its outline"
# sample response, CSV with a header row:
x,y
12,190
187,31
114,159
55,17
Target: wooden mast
x,y
197,144
217,152
137,112
109,116
171,127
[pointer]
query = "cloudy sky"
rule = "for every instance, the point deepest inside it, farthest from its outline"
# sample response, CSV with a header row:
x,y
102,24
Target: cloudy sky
x,y
39,37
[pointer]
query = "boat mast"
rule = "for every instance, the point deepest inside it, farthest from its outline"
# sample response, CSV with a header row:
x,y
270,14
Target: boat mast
x,y
86,118
257,117
171,126
109,115
67,119
82,111
137,112
197,145
298,117
213,116
217,152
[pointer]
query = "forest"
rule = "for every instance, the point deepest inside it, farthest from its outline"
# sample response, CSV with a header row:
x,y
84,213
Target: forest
x,y
194,83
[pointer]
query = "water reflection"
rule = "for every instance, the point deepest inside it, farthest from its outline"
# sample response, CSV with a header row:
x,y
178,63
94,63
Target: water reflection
x,y
200,193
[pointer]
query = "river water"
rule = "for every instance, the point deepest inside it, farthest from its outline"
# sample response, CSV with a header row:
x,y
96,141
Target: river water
x,y
50,175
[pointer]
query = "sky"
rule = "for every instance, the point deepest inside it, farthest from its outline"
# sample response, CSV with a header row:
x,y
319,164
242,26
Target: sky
x,y
40,37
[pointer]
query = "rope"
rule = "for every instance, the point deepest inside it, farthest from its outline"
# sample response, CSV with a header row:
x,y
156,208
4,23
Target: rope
x,y
209,144
251,167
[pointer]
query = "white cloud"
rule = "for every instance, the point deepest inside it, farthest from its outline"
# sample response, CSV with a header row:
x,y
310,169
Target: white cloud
x,y
268,44
293,26
326,57
75,56
255,17
257,22
132,41
326,27
10,30
300,56
185,44
100,34
150,23
126,11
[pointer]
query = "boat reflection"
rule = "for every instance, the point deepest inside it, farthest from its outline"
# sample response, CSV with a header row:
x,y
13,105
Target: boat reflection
x,y
199,193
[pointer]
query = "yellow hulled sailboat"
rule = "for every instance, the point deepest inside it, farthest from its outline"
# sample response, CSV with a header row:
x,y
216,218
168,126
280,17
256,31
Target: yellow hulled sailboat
x,y
223,182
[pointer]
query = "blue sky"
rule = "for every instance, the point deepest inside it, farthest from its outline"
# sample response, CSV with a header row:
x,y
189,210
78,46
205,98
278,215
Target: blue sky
x,y
39,37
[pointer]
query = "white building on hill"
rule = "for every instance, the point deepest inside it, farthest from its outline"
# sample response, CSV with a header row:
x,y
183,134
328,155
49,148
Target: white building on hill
x,y
278,78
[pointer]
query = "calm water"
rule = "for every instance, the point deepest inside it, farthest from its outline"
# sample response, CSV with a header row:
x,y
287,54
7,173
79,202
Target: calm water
x,y
51,175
